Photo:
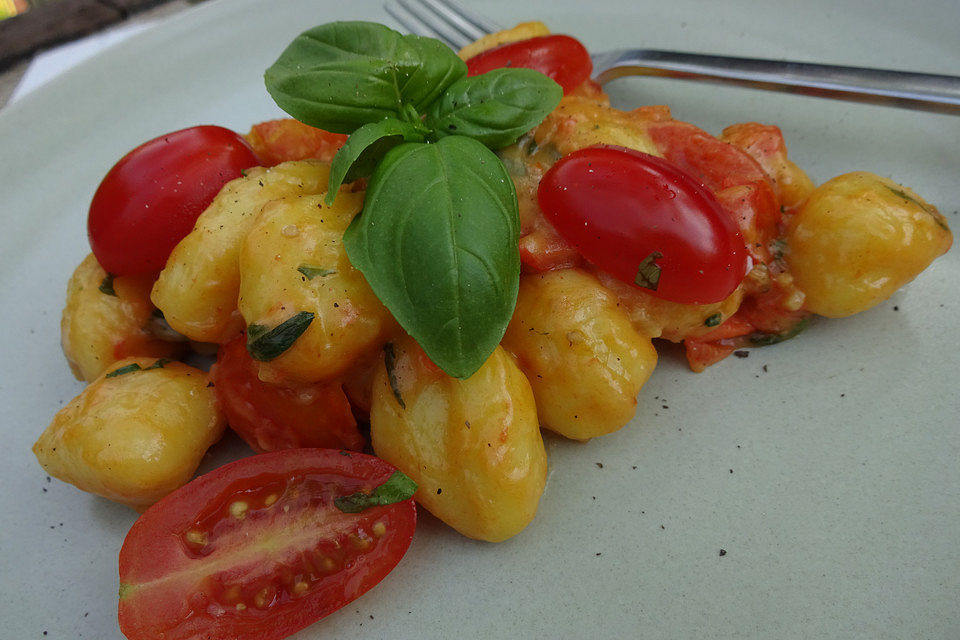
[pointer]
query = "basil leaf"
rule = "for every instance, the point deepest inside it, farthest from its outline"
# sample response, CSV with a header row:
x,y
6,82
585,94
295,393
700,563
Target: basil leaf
x,y
437,241
264,345
397,488
364,149
495,108
106,285
130,368
312,272
390,362
342,75
648,272
766,339
714,321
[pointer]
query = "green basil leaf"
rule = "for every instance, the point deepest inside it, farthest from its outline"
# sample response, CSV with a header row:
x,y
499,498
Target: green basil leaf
x,y
397,488
264,345
130,368
648,272
495,108
390,362
364,149
310,272
437,241
342,75
766,339
106,285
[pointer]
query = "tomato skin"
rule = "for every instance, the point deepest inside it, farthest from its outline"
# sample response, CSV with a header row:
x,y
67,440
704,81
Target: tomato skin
x,y
277,141
241,580
561,58
618,207
269,417
152,197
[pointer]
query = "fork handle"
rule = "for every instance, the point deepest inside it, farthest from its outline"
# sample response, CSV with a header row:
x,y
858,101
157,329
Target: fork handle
x,y
923,91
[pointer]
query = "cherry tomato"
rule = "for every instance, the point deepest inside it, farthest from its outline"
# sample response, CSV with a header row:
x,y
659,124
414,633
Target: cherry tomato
x,y
558,57
646,222
271,417
277,141
257,548
151,199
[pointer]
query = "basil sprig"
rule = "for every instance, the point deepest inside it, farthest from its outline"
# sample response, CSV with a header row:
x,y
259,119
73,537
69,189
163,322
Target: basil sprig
x,y
437,237
342,75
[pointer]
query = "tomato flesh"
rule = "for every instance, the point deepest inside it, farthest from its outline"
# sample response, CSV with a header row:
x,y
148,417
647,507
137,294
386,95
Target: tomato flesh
x,y
152,197
623,210
560,58
271,417
277,141
257,549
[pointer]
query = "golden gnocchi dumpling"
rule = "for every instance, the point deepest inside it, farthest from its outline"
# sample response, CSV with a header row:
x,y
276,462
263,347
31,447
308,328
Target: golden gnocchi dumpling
x,y
523,31
197,290
857,239
674,321
107,319
134,434
584,360
472,445
580,122
292,263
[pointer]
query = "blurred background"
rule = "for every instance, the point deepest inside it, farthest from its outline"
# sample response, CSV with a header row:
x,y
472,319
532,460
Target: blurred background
x,y
29,28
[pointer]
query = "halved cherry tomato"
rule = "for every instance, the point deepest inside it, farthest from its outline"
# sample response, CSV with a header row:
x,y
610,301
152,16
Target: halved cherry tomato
x,y
270,417
646,222
558,57
258,549
152,197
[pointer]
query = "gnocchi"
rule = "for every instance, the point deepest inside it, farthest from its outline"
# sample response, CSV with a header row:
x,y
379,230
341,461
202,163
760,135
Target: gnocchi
x,y
473,446
857,239
106,319
292,260
584,360
197,290
135,433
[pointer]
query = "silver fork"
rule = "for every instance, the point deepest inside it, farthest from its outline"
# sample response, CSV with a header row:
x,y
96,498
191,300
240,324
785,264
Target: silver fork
x,y
457,27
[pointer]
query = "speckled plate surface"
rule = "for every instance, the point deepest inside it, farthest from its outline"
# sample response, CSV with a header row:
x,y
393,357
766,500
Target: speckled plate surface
x,y
809,490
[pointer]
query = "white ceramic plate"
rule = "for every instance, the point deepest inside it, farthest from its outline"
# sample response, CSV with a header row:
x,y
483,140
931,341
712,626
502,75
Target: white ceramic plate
x,y
826,467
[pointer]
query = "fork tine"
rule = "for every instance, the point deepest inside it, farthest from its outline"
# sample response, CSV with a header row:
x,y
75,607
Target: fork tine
x,y
430,24
471,24
417,26
440,18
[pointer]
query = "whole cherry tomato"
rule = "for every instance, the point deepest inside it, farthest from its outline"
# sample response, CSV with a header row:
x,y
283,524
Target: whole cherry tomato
x,y
646,222
558,57
263,547
152,197
270,417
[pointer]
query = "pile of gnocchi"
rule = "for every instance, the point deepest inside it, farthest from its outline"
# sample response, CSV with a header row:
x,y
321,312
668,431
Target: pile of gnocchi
x,y
267,248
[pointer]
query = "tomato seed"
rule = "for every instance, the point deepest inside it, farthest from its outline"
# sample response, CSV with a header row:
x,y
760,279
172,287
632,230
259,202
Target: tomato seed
x,y
239,509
